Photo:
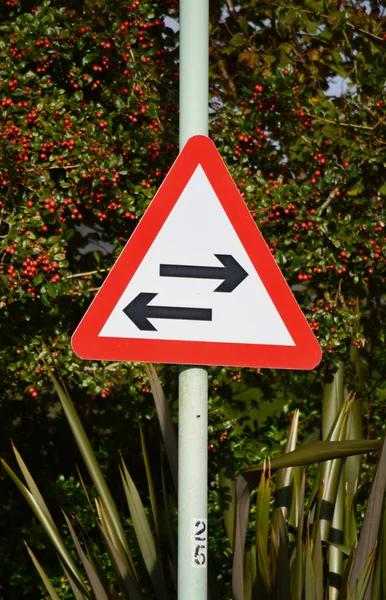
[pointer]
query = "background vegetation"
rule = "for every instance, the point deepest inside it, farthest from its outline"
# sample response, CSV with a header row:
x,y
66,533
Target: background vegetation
x,y
88,130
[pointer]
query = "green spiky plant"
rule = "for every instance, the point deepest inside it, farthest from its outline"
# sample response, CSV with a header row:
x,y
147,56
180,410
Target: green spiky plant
x,y
308,549
302,547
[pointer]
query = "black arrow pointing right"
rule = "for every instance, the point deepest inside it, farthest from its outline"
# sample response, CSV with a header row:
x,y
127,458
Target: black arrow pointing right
x,y
231,272
139,311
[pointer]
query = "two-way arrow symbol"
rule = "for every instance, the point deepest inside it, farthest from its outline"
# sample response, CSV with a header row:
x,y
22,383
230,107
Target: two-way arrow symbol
x,y
139,311
231,272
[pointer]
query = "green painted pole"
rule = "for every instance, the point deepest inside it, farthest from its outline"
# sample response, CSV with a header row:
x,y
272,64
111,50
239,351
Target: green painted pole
x,y
194,68
193,381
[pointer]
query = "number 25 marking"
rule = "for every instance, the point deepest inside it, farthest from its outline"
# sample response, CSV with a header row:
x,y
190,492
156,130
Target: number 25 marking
x,y
199,542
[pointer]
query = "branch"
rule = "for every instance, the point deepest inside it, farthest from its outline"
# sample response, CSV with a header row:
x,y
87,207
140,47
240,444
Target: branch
x,y
303,10
366,32
67,167
367,109
79,275
57,167
340,123
231,8
327,203
225,74
3,237
379,122
9,195
346,124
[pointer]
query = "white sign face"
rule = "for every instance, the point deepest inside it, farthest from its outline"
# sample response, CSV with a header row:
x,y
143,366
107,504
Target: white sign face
x,y
197,282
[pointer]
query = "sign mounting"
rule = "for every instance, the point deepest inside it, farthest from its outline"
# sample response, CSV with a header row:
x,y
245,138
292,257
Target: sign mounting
x,y
196,283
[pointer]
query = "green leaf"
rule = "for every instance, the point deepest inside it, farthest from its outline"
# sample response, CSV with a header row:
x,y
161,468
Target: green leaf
x,y
126,582
49,587
51,289
227,491
317,565
262,510
288,17
352,465
92,553
263,563
150,485
91,462
283,491
28,76
38,279
344,592
362,587
320,452
310,583
237,40
88,58
78,595
169,524
93,578
45,300
336,535
32,486
283,565
36,222
292,496
379,585
371,524
325,35
333,397
250,569
298,566
119,103
108,527
330,477
311,26
165,421
243,491
143,533
49,528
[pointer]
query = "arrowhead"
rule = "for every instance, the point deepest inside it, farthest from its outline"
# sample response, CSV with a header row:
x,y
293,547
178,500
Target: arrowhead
x,y
234,273
137,310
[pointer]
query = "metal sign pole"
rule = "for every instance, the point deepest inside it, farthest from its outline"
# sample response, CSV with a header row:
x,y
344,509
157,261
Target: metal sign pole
x,y
193,381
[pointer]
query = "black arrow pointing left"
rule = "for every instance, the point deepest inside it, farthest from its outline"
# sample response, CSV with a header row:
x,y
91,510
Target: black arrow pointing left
x,y
139,312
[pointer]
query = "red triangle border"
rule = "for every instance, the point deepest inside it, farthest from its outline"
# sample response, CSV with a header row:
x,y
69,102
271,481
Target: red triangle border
x,y
86,343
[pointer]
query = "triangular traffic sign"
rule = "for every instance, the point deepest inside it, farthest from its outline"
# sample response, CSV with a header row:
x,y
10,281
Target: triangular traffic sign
x,y
196,283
